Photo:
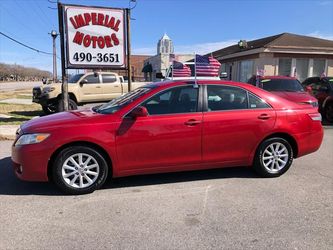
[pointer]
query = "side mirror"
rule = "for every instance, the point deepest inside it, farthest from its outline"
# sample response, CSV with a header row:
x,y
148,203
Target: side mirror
x,y
224,75
159,75
84,81
139,112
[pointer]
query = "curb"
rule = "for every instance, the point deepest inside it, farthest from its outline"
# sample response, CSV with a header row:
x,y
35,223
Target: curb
x,y
7,132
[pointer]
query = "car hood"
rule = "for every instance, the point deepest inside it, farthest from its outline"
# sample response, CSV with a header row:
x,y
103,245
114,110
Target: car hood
x,y
62,120
298,97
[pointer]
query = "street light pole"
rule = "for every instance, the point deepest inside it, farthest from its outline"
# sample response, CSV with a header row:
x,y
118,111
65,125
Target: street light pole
x,y
54,35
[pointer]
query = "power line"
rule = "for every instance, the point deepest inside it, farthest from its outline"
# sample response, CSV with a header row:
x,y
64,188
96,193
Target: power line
x,y
27,46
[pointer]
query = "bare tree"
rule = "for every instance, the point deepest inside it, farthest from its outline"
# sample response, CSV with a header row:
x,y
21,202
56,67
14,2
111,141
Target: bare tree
x,y
14,72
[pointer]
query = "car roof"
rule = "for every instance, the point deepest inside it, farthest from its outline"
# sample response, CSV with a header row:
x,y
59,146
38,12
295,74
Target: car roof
x,y
278,77
170,83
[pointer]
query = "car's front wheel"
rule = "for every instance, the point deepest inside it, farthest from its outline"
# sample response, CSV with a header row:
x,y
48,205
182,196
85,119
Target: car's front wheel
x,y
49,109
71,105
273,157
329,112
79,170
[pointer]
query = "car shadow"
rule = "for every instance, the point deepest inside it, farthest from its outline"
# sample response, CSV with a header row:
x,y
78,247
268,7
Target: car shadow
x,y
11,185
30,113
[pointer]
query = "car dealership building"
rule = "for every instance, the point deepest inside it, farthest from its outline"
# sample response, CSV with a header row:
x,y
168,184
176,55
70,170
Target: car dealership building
x,y
284,54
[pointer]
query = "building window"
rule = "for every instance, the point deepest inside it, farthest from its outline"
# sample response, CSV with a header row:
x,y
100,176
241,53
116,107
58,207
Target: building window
x,y
302,68
245,71
318,67
284,66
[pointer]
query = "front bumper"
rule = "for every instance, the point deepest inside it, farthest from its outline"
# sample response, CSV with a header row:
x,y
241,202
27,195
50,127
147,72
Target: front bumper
x,y
42,98
30,162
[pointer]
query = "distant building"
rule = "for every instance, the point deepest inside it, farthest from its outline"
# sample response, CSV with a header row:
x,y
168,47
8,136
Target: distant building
x,y
137,62
161,62
283,54
165,45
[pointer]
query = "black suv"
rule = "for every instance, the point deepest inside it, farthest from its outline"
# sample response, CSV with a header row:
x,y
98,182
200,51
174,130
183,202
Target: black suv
x,y
322,89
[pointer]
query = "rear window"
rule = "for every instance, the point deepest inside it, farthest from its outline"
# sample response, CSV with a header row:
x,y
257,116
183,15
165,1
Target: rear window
x,y
291,85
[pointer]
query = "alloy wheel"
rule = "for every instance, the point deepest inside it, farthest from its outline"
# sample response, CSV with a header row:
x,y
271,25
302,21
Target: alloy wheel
x,y
275,157
80,170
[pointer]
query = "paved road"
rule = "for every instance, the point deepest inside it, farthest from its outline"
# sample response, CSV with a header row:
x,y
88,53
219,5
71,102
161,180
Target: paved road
x,y
10,86
217,209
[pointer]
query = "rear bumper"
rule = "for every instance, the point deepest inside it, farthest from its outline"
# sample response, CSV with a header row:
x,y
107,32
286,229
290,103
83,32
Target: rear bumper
x,y
30,161
311,141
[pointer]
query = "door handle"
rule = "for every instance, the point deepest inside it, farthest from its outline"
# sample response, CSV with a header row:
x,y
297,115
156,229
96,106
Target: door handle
x,y
264,116
98,87
116,86
192,122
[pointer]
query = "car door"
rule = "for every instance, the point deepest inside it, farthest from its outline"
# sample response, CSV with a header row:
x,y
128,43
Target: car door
x,y
90,88
234,121
169,137
111,87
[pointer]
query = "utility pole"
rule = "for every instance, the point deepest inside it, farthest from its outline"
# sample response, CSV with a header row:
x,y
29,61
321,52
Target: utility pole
x,y
54,35
129,71
64,86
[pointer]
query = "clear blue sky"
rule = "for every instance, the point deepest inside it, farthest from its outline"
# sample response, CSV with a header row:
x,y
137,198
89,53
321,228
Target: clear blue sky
x,y
193,25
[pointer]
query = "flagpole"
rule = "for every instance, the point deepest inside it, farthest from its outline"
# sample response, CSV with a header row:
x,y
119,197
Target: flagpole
x,y
195,71
171,71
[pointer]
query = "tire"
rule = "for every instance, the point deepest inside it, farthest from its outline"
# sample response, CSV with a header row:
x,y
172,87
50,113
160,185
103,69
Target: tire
x,y
75,176
329,112
49,109
273,158
71,105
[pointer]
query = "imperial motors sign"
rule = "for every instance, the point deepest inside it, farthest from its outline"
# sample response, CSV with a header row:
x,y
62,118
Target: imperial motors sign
x,y
95,37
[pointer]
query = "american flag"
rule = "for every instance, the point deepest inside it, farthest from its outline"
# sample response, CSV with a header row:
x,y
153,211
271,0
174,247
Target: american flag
x,y
206,66
180,70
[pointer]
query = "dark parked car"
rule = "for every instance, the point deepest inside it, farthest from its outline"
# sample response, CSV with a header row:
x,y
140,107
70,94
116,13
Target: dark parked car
x,y
287,87
322,89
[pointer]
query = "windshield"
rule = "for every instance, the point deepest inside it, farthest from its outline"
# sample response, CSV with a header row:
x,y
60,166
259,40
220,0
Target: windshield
x,y
114,105
75,78
291,85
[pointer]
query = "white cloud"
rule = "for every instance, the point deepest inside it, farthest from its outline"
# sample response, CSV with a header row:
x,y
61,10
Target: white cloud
x,y
203,48
144,51
325,3
318,34
200,48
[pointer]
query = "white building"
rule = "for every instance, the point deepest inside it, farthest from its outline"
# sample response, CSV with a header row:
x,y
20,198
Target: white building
x,y
161,62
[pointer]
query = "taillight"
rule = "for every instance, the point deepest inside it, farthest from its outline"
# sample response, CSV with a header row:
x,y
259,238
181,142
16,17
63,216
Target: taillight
x,y
315,116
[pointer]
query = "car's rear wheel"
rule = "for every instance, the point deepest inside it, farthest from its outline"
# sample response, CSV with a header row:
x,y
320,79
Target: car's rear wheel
x,y
329,112
79,170
273,157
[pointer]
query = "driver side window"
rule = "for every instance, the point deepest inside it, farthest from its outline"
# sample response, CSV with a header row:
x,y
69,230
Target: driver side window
x,y
91,79
175,100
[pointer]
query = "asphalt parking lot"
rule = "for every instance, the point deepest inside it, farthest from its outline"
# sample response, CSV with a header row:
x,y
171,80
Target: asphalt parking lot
x,y
215,209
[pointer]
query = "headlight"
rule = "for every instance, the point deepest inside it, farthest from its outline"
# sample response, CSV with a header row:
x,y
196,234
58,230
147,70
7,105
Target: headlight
x,y
314,104
31,139
47,90
18,131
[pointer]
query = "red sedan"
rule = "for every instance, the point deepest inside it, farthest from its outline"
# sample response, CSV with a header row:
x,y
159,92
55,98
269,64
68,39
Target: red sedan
x,y
167,127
